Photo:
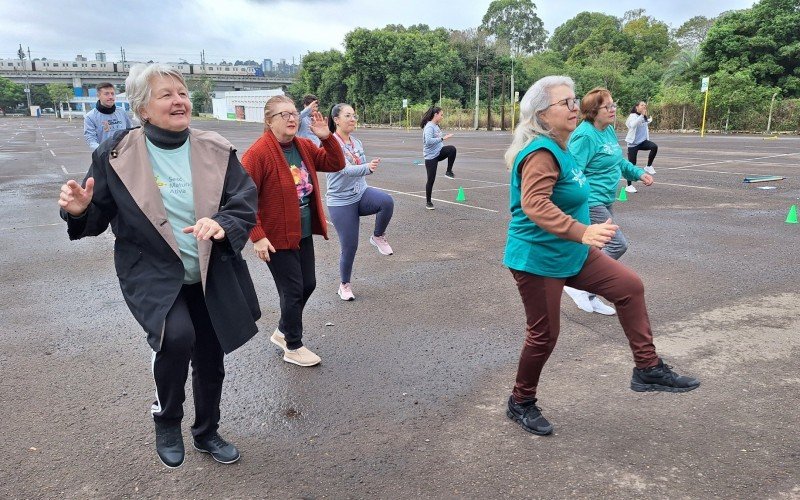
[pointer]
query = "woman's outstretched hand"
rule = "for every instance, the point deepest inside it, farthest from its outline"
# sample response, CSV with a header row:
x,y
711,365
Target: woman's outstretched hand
x,y
74,199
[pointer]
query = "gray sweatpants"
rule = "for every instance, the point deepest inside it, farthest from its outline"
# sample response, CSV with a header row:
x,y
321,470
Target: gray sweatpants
x,y
618,244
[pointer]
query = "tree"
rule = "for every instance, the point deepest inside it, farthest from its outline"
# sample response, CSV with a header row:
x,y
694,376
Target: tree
x,y
763,40
646,37
58,93
579,28
321,74
200,89
11,94
516,23
693,32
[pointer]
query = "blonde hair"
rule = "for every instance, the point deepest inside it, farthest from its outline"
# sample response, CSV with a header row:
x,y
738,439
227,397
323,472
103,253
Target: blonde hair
x,y
137,85
531,125
272,103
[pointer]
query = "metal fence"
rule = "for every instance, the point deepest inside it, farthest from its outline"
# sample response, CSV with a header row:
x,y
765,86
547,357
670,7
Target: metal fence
x,y
785,117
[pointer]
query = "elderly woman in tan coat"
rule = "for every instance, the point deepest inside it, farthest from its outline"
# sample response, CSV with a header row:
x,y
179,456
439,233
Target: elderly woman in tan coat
x,y
181,207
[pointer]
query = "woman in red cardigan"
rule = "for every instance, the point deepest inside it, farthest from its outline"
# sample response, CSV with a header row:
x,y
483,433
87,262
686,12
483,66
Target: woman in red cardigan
x,y
284,169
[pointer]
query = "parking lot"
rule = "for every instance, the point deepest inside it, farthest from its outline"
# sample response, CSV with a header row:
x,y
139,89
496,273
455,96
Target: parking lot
x,y
410,398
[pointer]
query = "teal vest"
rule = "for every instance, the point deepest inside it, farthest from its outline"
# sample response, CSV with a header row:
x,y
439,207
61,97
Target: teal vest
x,y
530,248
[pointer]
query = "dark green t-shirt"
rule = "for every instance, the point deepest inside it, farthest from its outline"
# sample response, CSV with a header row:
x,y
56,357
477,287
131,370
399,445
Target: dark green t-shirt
x,y
302,181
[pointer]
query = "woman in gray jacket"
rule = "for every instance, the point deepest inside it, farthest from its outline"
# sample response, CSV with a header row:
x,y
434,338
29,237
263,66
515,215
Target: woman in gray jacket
x,y
349,198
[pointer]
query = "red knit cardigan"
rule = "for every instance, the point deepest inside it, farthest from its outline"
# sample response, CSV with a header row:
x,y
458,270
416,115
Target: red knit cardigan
x,y
278,215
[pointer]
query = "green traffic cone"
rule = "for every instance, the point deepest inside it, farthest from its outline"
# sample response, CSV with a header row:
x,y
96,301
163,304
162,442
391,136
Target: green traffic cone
x,y
791,217
623,195
461,197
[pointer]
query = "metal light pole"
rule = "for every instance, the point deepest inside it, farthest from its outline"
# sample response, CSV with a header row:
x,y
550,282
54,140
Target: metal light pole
x,y
477,89
769,120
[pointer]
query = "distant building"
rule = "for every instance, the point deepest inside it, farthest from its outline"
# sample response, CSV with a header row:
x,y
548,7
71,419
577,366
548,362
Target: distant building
x,y
80,58
100,56
266,66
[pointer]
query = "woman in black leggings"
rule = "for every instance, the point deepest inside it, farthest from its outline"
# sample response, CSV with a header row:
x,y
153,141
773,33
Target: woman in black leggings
x,y
638,138
433,149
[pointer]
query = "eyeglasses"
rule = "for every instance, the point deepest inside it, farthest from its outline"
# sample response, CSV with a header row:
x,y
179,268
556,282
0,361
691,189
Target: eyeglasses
x,y
286,115
348,116
609,107
572,103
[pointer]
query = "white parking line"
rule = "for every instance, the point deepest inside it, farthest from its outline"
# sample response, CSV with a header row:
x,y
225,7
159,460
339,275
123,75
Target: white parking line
x,y
437,199
52,153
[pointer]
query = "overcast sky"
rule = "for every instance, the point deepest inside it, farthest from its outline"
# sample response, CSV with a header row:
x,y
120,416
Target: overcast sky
x,y
168,30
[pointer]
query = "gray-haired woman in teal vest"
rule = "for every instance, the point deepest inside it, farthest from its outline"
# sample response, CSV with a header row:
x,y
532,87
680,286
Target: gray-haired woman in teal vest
x,y
551,243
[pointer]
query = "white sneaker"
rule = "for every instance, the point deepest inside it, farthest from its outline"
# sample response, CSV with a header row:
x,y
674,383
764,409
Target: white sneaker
x,y
580,298
381,244
630,189
345,292
650,170
600,307
278,339
302,356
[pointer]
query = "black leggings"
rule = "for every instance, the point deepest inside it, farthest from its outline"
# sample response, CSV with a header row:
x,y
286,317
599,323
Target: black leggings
x,y
647,146
448,152
295,278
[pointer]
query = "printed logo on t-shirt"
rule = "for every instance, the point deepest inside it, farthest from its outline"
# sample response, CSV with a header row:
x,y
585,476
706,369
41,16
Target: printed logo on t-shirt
x,y
301,182
174,185
611,149
577,176
111,124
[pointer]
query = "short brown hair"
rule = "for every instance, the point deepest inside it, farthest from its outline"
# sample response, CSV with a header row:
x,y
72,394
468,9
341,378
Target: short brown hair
x,y
591,102
308,99
105,85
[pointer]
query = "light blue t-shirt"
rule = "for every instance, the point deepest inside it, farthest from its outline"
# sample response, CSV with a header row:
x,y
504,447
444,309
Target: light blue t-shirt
x,y
172,169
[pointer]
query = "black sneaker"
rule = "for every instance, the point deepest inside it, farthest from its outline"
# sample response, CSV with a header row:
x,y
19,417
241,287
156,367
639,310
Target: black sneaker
x,y
449,174
529,417
169,444
661,378
222,451
429,206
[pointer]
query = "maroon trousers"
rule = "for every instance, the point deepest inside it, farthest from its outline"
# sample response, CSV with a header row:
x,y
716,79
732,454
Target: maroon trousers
x,y
541,297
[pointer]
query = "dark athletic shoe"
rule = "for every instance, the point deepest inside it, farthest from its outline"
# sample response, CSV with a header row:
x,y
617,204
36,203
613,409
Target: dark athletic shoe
x,y
222,451
429,206
529,416
661,378
169,444
449,174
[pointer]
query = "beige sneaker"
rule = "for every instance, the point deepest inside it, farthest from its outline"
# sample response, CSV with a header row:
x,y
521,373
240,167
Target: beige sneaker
x,y
302,356
278,339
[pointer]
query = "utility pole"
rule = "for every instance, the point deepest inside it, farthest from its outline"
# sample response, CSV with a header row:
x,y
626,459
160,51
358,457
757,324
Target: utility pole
x,y
21,54
477,88
489,107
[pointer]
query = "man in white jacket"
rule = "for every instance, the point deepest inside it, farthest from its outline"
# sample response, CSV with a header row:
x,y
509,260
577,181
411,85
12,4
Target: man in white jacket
x,y
638,138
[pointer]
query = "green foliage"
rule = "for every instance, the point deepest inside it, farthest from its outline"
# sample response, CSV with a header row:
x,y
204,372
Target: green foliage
x,y
693,32
387,66
11,94
764,40
200,89
58,93
321,74
580,28
516,23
